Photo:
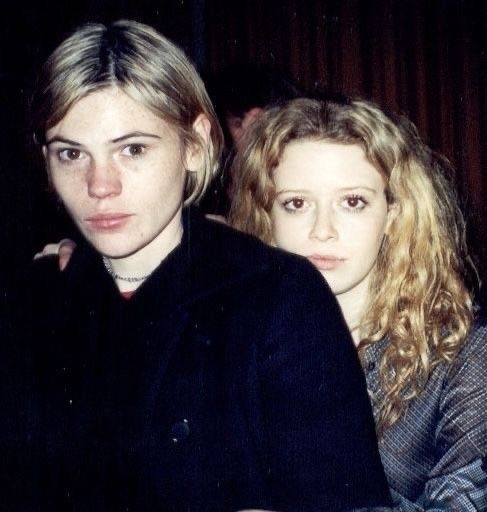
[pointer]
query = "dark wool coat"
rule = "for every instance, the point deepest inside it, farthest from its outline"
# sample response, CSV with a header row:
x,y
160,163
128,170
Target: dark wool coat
x,y
228,381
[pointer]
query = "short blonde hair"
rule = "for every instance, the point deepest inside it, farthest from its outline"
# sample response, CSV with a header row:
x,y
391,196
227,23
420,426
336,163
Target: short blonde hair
x,y
418,298
143,64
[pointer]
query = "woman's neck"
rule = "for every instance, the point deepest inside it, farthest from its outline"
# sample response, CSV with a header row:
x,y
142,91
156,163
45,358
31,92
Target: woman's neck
x,y
353,304
135,268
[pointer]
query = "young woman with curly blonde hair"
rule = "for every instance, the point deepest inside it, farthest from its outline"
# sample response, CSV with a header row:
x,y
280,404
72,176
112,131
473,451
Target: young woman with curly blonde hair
x,y
360,195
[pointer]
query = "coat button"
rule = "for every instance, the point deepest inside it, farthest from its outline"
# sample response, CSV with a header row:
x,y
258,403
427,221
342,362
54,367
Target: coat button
x,y
203,340
180,431
371,366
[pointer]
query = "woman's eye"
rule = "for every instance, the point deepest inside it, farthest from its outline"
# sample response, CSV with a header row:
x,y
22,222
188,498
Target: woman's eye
x,y
294,204
133,150
354,202
234,123
69,154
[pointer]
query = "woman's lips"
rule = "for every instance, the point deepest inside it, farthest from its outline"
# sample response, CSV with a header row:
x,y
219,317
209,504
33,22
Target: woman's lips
x,y
108,221
325,262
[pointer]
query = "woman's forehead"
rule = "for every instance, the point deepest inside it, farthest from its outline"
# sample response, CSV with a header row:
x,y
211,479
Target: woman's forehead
x,y
108,113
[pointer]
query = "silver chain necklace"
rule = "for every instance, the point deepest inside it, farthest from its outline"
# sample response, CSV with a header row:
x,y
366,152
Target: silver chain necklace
x,y
114,275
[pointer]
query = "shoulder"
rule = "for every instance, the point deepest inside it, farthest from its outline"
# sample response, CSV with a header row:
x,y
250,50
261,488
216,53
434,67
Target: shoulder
x,y
282,290
466,375
223,259
464,393
226,240
224,249
473,353
465,381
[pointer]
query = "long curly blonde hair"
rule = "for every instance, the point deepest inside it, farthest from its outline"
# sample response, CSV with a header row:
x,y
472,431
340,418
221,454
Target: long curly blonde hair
x,y
418,299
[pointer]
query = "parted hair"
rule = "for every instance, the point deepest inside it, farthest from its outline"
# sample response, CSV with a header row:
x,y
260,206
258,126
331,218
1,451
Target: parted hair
x,y
418,299
143,64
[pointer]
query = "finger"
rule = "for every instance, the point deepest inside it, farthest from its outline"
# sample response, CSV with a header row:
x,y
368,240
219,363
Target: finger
x,y
66,248
48,250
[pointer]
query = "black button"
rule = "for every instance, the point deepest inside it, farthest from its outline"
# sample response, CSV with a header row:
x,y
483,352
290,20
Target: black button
x,y
180,431
203,340
371,366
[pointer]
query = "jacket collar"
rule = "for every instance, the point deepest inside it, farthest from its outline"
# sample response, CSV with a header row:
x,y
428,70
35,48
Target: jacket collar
x,y
210,258
219,257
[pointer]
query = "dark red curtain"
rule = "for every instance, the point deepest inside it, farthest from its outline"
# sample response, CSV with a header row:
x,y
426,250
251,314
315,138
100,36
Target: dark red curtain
x,y
425,58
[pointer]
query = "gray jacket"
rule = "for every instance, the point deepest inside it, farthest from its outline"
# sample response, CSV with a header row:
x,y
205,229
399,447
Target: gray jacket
x,y
435,456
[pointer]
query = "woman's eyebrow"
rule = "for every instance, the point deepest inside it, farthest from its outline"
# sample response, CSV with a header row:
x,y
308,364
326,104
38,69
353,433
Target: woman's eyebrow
x,y
62,140
134,134
292,191
361,187
342,189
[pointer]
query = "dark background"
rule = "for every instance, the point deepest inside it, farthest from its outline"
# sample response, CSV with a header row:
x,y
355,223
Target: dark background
x,y
426,58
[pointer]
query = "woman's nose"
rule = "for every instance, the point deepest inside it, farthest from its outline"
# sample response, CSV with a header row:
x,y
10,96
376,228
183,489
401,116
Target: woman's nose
x,y
104,180
324,226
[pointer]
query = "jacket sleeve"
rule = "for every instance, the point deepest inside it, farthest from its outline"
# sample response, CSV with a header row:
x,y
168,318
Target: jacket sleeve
x,y
321,439
458,481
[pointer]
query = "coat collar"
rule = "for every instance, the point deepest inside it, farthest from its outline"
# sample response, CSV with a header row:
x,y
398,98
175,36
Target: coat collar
x,y
220,257
211,257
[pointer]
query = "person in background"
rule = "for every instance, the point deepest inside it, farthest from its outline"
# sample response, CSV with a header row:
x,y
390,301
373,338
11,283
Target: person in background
x,y
179,364
358,194
240,94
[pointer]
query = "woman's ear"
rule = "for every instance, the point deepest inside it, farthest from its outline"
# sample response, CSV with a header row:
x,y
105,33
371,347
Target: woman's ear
x,y
392,213
194,157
